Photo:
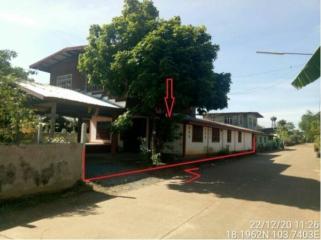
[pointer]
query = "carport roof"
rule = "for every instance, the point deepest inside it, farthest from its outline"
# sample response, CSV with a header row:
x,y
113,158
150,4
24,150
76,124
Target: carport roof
x,y
44,92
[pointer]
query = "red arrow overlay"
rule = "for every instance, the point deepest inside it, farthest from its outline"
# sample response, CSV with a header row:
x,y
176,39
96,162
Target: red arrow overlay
x,y
169,98
194,174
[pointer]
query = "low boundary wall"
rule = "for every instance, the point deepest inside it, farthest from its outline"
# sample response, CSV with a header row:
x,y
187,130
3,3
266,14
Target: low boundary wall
x,y
31,169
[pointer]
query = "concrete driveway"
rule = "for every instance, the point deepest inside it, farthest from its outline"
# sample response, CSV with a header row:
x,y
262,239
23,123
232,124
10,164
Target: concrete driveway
x,y
252,197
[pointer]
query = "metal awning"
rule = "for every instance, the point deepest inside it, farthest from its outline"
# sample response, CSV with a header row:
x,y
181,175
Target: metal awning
x,y
49,92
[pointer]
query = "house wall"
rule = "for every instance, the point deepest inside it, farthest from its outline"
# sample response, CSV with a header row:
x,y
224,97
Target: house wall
x,y
68,66
194,148
36,168
207,146
248,141
93,129
214,146
176,147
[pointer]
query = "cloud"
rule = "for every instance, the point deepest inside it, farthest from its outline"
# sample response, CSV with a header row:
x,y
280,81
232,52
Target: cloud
x,y
18,19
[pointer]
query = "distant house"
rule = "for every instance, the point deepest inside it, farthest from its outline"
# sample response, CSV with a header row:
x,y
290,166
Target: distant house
x,y
205,137
69,94
243,119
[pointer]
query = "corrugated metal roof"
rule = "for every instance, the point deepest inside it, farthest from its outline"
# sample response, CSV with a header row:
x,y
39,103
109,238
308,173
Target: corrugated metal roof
x,y
45,63
43,91
212,123
258,115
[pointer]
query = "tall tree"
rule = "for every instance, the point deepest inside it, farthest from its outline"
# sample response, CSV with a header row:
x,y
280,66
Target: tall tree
x,y
132,56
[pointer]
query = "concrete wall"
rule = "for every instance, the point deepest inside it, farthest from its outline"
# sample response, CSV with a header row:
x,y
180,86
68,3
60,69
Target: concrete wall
x,y
31,169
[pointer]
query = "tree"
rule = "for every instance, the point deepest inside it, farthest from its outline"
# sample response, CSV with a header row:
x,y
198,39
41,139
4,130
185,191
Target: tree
x,y
15,116
310,125
133,55
138,51
287,133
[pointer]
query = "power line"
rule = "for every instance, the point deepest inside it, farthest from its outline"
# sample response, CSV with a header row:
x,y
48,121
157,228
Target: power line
x,y
266,72
247,91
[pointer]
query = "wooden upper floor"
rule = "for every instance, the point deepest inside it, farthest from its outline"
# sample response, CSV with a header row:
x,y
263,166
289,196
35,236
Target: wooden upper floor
x,y
62,66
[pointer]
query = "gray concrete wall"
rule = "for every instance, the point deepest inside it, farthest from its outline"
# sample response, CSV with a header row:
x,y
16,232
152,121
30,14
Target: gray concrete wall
x,y
30,169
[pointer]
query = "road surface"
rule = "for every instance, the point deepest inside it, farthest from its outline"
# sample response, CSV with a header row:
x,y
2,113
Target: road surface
x,y
252,197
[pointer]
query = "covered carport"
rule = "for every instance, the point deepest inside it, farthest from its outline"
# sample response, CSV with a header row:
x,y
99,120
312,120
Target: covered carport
x,y
52,101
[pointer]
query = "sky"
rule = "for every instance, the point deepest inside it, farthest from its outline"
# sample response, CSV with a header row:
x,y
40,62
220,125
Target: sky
x,y
262,83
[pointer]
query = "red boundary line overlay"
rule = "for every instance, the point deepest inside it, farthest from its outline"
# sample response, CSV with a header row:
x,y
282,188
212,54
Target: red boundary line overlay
x,y
149,169
193,173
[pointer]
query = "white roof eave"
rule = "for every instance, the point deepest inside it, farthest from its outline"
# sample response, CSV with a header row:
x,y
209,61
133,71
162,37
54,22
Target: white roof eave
x,y
43,91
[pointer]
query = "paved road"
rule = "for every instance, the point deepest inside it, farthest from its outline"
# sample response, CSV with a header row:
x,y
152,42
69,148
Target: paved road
x,y
231,197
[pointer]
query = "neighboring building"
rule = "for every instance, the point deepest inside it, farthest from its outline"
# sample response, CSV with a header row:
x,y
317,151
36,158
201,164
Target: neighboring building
x,y
70,95
206,137
242,119
246,120
268,135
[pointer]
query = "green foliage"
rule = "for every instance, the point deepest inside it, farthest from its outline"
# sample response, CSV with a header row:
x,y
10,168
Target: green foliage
x,y
271,145
16,118
122,123
288,134
145,152
156,159
132,56
114,41
223,151
147,155
317,144
310,125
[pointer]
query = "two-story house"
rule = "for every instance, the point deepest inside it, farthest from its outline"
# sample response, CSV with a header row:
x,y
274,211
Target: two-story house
x,y
242,119
69,93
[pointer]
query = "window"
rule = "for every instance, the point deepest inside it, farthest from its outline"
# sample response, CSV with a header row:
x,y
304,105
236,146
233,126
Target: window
x,y
235,120
239,137
64,81
103,130
250,123
197,134
228,120
229,136
215,135
241,120
254,122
